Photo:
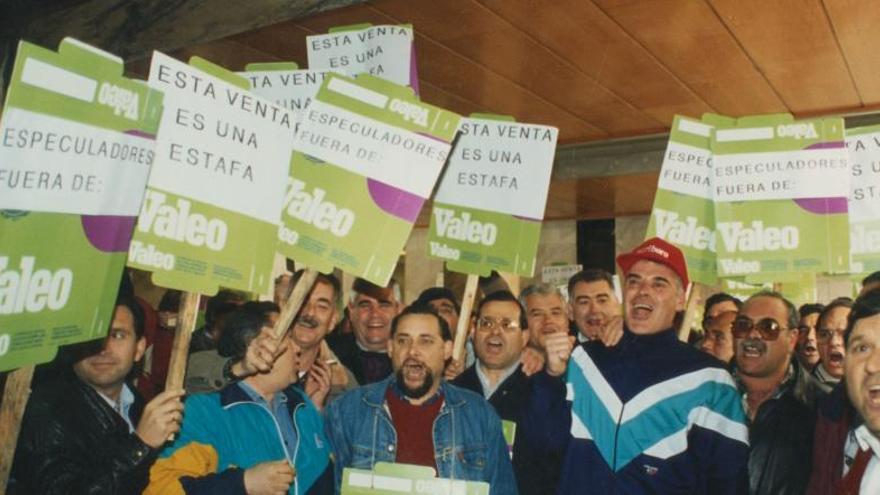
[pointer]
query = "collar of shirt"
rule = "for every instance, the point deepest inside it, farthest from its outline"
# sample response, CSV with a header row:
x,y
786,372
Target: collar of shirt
x,y
823,375
123,405
780,389
489,389
871,478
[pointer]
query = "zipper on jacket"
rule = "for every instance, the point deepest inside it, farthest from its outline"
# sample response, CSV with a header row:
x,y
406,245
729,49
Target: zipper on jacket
x,y
616,432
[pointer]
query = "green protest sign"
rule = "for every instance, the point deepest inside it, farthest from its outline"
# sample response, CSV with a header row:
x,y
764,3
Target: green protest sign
x,y
212,208
368,154
490,203
284,83
863,145
683,211
395,479
382,51
76,144
780,194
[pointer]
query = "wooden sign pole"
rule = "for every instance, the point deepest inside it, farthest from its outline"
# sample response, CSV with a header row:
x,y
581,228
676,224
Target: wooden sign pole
x,y
690,312
187,315
294,302
15,397
464,319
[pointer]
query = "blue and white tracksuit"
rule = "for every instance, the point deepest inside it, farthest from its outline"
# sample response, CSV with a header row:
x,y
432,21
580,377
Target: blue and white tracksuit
x,y
649,415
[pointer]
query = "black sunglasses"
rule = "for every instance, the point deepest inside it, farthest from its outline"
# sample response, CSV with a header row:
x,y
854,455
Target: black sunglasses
x,y
767,327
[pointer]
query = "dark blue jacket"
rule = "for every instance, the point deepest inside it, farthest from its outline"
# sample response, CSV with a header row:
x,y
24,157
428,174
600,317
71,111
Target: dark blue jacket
x,y
649,415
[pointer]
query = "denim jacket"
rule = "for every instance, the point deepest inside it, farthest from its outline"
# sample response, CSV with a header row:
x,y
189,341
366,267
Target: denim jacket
x,y
468,443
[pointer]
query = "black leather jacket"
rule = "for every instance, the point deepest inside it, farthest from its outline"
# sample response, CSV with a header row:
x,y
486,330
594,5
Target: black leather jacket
x,y
781,438
73,442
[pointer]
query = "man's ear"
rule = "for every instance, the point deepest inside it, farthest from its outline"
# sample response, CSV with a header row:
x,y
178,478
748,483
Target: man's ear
x,y
333,320
140,348
390,345
447,349
682,300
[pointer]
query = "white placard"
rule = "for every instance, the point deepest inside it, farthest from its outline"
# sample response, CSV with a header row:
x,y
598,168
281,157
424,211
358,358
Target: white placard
x,y
56,165
500,166
219,143
817,173
291,89
367,147
687,170
383,51
864,197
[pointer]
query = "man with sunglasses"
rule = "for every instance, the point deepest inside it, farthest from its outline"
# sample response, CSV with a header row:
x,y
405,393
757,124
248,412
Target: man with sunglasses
x,y
778,394
650,414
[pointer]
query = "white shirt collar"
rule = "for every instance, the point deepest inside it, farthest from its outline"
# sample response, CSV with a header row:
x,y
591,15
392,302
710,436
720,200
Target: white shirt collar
x,y
489,389
123,405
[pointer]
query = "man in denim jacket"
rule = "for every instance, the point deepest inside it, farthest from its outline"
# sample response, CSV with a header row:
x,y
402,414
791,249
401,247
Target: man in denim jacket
x,y
415,417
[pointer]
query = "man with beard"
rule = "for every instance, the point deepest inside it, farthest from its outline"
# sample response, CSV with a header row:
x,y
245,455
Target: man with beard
x,y
592,302
829,335
807,347
650,414
862,378
778,393
365,350
416,417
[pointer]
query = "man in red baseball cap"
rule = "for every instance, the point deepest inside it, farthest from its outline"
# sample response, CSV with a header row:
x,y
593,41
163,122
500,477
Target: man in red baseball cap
x,y
649,415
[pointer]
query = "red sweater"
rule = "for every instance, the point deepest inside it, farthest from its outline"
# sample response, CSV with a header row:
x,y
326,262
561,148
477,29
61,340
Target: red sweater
x,y
415,428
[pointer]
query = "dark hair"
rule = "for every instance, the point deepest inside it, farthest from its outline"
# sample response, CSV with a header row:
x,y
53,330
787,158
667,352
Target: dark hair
x,y
422,309
718,298
435,293
590,275
222,303
810,308
137,312
327,278
865,306
243,325
840,302
505,296
170,301
793,317
873,278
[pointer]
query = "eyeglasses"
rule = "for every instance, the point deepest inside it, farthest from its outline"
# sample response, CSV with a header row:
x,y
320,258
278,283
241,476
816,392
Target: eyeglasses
x,y
489,324
827,333
767,327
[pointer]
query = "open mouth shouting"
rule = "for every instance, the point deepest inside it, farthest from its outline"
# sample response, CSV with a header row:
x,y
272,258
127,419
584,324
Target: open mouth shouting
x,y
753,349
835,360
641,310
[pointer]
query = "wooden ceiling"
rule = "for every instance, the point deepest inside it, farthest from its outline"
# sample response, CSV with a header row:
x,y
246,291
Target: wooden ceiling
x,y
606,69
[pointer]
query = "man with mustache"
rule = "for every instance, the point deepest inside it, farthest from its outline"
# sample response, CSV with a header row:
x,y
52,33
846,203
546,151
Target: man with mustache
x,y
650,414
365,350
414,416
89,432
593,305
778,393
807,347
829,336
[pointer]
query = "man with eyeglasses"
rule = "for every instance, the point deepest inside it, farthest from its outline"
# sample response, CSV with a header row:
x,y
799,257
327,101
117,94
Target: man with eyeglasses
x,y
829,338
648,415
778,395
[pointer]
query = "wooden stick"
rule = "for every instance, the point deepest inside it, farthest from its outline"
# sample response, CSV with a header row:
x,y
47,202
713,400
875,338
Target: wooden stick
x,y
295,301
464,319
15,397
690,312
512,281
187,313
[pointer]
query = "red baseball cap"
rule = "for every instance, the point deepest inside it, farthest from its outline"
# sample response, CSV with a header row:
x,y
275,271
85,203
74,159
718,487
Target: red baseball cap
x,y
659,251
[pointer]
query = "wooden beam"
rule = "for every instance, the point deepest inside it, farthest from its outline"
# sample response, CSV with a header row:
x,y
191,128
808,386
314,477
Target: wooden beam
x,y
132,29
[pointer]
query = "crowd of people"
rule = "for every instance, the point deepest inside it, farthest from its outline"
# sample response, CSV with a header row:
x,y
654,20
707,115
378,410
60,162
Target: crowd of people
x,y
553,394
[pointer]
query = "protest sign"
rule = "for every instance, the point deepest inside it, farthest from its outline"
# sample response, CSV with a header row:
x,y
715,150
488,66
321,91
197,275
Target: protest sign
x,y
367,155
396,479
490,203
863,145
284,83
683,211
76,144
780,189
382,51
215,191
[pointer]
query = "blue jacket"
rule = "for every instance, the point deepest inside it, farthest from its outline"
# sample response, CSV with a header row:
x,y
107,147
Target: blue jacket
x,y
649,415
223,433
468,443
